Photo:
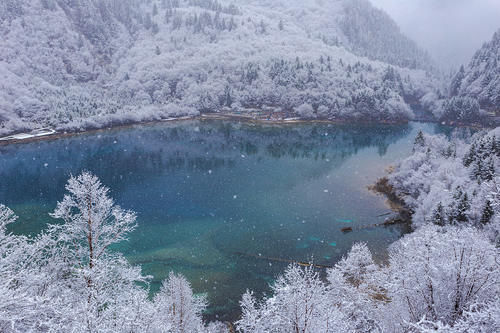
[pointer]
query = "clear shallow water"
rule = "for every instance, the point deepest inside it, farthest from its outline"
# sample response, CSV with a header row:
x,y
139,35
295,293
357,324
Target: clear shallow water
x,y
208,191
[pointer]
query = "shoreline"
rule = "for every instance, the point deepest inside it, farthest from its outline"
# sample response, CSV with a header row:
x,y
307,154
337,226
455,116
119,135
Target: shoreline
x,y
228,117
206,116
395,202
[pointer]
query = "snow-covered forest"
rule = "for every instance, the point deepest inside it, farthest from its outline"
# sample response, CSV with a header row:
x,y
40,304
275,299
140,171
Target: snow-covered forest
x,y
481,78
84,64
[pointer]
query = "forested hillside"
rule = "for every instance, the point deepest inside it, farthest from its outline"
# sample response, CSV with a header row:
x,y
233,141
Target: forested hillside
x,y
78,64
474,90
452,182
481,78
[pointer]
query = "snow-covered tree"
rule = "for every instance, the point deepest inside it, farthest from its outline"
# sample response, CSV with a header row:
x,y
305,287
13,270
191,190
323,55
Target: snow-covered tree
x,y
177,310
105,292
300,303
439,274
355,284
67,279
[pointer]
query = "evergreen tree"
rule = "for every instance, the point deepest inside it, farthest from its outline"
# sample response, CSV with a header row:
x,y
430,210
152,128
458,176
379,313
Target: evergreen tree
x,y
470,156
488,170
457,82
495,146
462,209
477,169
226,99
157,50
439,216
488,213
419,141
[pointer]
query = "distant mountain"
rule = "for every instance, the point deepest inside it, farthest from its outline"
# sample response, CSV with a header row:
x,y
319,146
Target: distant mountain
x,y
78,64
481,78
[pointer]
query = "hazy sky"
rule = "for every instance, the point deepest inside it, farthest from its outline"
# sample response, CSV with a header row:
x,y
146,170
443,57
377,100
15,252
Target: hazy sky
x,y
451,30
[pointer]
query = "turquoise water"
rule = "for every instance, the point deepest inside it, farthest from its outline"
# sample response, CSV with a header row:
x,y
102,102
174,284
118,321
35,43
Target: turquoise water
x,y
215,198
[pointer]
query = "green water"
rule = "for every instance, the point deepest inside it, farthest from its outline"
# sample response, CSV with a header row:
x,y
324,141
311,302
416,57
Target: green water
x,y
215,198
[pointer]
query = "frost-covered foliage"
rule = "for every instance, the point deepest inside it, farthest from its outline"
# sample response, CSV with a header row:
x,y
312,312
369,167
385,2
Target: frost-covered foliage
x,y
84,64
68,280
461,109
444,277
440,274
301,303
480,80
452,182
178,310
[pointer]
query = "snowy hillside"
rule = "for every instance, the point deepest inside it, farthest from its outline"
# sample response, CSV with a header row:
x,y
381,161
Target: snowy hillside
x,y
77,64
481,78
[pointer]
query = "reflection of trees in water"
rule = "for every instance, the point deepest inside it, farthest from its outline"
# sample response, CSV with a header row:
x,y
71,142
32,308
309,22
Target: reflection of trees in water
x,y
42,168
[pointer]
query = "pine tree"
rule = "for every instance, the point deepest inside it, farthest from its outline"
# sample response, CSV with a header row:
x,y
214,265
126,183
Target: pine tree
x,y
477,169
495,146
488,213
419,141
457,82
488,171
462,209
439,216
470,156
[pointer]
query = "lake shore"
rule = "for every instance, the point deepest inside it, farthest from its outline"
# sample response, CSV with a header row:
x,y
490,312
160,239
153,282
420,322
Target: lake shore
x,y
247,118
395,202
206,116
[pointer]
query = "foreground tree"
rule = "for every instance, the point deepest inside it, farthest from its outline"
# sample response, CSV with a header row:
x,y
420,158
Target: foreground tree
x,y
105,294
177,310
69,280
355,283
438,274
25,288
301,303
13,298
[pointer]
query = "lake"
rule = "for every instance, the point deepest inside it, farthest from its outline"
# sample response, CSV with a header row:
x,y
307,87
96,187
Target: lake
x,y
216,198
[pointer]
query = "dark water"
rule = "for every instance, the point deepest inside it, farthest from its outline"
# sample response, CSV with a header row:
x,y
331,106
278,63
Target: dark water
x,y
208,191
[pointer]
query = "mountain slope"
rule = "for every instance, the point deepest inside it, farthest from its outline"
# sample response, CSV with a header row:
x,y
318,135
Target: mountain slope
x,y
481,78
77,64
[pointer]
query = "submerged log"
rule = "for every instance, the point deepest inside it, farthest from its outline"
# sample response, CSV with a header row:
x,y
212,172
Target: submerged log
x,y
396,220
